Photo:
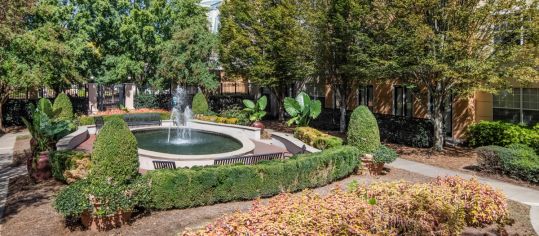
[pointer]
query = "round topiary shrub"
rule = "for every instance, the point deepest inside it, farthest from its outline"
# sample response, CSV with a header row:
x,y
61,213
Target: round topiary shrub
x,y
363,130
115,154
63,107
200,104
45,106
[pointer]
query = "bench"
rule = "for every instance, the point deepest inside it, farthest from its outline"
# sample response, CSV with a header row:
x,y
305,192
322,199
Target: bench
x,y
142,119
164,165
250,159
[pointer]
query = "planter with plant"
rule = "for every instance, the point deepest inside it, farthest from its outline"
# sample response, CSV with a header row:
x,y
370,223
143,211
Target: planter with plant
x,y
375,162
256,111
302,109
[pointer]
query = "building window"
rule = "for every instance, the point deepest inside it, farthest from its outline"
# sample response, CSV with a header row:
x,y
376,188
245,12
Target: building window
x,y
518,105
402,101
365,95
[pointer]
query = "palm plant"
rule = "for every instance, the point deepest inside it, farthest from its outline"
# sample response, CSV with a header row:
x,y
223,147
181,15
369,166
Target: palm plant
x,y
302,109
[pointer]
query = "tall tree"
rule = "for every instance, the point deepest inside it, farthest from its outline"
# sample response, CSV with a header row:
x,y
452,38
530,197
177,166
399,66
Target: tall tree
x,y
346,52
457,47
267,42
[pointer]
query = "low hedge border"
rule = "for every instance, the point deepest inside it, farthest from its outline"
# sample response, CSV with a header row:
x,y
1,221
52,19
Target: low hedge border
x,y
317,138
89,120
516,160
183,188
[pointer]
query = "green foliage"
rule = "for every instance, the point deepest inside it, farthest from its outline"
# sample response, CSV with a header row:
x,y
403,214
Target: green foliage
x,y
89,120
500,133
363,131
200,104
302,109
256,111
62,107
236,112
45,106
73,200
46,131
64,160
181,188
316,138
515,160
115,153
384,155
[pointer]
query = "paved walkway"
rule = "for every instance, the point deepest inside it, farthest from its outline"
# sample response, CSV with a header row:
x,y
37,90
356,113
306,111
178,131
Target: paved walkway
x,y
7,142
516,193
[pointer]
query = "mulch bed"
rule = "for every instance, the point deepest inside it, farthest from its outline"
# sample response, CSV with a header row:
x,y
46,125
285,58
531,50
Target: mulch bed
x,y
30,212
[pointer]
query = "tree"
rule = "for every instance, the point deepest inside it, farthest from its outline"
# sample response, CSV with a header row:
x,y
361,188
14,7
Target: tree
x,y
457,47
268,42
186,57
346,52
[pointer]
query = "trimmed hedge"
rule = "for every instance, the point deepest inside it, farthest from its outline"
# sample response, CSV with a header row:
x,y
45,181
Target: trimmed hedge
x,y
200,104
89,120
316,138
115,153
63,107
516,160
363,131
182,188
501,133
384,154
414,132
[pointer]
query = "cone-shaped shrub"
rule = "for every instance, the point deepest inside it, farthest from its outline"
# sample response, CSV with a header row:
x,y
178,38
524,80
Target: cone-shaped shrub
x,y
363,130
63,107
200,105
115,154
45,106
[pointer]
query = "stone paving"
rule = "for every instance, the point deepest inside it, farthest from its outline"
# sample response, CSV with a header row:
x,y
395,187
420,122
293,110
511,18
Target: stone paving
x,y
516,193
7,171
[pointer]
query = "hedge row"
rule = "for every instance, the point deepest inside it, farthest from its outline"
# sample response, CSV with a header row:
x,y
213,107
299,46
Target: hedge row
x,y
89,120
183,188
501,133
316,138
516,160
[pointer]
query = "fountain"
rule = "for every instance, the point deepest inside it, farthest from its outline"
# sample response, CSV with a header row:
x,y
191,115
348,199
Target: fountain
x,y
178,117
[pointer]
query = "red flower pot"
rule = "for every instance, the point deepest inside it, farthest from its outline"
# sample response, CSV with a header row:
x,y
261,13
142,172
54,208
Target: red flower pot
x,y
41,167
104,223
258,124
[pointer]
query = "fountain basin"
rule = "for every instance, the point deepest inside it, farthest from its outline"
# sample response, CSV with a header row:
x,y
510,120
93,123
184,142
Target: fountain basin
x,y
206,145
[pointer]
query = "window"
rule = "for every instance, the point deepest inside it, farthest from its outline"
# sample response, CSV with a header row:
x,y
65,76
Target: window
x,y
402,101
518,105
365,95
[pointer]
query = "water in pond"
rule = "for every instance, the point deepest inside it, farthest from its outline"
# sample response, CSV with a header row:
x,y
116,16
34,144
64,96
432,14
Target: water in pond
x,y
199,143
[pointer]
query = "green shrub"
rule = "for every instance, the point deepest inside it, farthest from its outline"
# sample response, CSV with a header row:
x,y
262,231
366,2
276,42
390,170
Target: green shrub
x,y
63,107
384,155
89,120
516,160
499,133
200,104
115,153
363,130
45,106
64,160
182,188
316,138
73,200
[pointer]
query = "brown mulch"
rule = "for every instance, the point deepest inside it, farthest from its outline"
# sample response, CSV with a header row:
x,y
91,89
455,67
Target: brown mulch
x,y
30,212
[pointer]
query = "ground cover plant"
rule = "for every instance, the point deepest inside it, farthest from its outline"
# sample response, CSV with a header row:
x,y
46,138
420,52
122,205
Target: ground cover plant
x,y
317,138
442,207
182,188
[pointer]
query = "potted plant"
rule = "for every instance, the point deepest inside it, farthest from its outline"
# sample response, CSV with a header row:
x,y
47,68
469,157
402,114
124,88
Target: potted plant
x,y
256,111
375,162
302,109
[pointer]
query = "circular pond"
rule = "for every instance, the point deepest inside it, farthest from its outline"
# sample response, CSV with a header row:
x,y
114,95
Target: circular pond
x,y
184,142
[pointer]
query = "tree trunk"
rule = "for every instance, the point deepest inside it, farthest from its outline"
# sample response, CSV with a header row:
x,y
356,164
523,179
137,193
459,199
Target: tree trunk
x,y
342,94
438,118
1,116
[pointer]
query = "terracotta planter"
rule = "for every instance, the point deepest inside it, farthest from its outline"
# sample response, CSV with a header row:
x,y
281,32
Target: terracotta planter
x,y
258,124
374,168
104,223
41,167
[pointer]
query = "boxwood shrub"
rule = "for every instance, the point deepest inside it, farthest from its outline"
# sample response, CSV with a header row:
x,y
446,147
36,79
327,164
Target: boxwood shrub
x,y
363,131
182,188
62,107
200,104
515,160
317,138
115,153
501,133
384,154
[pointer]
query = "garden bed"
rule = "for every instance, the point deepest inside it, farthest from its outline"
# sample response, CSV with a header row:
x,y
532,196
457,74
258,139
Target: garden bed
x,y
29,211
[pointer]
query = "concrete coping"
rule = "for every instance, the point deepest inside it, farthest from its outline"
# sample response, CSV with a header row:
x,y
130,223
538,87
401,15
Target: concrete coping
x,y
72,140
247,146
293,144
226,125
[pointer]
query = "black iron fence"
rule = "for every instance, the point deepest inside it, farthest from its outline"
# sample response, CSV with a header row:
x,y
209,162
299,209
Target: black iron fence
x,y
19,99
110,96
